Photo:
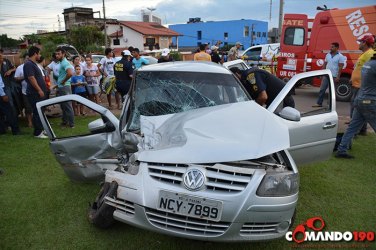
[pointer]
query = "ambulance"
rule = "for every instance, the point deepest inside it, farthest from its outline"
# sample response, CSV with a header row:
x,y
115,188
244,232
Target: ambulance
x,y
305,42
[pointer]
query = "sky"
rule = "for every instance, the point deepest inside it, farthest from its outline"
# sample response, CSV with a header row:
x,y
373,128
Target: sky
x,y
20,17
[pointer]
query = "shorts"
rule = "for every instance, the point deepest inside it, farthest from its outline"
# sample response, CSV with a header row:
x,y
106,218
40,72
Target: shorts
x,y
92,89
123,87
83,94
27,106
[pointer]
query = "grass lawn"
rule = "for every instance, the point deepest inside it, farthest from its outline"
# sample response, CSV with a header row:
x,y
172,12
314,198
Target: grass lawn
x,y
41,209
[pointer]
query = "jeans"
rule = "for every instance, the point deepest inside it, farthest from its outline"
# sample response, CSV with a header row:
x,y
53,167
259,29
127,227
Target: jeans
x,y
352,105
324,85
364,111
37,124
66,107
6,111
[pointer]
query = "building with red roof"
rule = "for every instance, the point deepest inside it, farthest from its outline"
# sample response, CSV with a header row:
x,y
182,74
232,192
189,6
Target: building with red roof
x,y
147,36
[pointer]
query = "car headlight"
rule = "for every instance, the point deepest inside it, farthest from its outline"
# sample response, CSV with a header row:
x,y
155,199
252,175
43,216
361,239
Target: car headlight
x,y
279,184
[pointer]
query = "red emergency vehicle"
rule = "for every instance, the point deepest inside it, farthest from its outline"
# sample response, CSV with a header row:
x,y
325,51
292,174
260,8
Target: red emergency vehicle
x,y
306,41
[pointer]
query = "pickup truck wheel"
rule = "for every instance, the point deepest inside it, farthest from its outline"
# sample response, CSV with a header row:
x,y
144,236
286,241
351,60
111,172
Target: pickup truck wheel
x,y
343,90
100,214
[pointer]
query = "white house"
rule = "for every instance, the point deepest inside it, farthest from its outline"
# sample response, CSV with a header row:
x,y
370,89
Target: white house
x,y
146,36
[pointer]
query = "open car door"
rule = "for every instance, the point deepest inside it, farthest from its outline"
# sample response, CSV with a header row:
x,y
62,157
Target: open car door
x,y
312,130
88,149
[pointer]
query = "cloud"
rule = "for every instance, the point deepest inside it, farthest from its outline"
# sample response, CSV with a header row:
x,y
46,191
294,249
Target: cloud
x,y
170,11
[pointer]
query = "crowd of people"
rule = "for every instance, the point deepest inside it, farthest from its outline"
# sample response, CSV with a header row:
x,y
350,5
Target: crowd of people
x,y
211,54
363,80
23,86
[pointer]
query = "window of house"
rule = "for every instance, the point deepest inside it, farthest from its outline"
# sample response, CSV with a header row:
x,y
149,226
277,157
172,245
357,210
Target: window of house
x,y
258,34
225,35
246,31
199,35
150,41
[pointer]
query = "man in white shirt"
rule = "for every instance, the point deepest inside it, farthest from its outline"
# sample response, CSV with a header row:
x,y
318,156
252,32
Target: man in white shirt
x,y
334,61
106,67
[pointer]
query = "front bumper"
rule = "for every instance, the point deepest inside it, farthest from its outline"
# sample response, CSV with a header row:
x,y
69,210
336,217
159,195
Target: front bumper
x,y
245,216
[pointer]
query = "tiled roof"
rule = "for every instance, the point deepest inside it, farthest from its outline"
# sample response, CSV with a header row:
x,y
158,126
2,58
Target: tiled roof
x,y
147,28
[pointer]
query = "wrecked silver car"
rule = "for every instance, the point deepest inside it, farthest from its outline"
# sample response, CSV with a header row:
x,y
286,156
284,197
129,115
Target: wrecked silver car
x,y
192,155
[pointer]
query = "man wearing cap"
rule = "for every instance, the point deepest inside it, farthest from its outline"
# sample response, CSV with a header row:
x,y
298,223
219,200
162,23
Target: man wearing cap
x,y
233,53
365,45
262,86
165,56
215,56
123,71
364,107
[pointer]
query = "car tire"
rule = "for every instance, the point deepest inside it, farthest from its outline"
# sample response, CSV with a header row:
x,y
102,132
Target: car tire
x,y
343,90
100,214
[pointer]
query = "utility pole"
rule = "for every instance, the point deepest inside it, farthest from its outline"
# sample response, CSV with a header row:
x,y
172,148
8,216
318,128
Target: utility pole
x,y
58,19
105,29
270,11
280,20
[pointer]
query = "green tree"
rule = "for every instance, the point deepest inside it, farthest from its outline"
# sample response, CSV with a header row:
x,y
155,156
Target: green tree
x,y
7,42
85,38
176,55
48,42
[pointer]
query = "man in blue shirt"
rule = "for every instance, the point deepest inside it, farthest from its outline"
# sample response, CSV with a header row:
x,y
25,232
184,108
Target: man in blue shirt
x,y
64,87
6,110
364,107
36,87
138,61
334,61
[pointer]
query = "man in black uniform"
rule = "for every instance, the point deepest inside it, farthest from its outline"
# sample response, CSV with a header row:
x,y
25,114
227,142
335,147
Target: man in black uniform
x,y
123,73
262,86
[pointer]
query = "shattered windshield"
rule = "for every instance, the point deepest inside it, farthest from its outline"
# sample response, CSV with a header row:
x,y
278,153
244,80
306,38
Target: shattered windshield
x,y
162,93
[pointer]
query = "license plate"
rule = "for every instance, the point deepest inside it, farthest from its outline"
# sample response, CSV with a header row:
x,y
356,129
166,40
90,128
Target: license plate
x,y
191,206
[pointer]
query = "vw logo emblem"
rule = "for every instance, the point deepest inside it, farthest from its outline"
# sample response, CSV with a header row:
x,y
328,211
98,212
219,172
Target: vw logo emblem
x,y
193,179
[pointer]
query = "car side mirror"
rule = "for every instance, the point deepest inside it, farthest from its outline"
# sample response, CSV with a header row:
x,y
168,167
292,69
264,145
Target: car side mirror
x,y
99,126
290,114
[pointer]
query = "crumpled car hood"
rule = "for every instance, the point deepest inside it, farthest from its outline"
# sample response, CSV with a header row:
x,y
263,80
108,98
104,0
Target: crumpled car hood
x,y
224,133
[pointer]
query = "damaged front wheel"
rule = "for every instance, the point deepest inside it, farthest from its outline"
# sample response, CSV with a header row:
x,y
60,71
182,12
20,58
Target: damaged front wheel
x,y
100,214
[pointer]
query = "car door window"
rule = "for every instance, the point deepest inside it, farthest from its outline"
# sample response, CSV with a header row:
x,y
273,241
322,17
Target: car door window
x,y
86,121
240,65
306,96
312,127
253,54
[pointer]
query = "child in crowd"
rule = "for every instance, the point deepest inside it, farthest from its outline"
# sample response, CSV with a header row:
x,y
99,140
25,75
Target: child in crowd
x,y
78,87
91,74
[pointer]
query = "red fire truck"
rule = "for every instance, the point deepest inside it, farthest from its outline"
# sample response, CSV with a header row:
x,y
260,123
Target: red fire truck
x,y
306,41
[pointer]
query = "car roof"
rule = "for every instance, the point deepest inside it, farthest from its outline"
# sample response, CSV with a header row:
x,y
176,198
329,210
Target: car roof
x,y
187,66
